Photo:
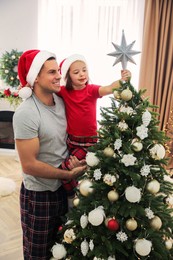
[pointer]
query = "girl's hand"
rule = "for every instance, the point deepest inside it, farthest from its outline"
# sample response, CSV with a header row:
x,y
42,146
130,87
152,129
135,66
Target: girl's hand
x,y
74,162
125,75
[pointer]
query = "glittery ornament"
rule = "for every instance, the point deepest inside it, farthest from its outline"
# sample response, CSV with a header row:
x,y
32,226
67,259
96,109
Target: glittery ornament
x,y
123,52
116,94
126,94
84,221
131,224
84,247
146,118
156,223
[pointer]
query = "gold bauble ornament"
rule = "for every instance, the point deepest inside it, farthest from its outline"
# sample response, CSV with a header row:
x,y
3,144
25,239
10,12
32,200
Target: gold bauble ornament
x,y
153,186
76,202
131,224
116,94
136,145
107,220
156,223
108,151
126,94
85,187
168,244
113,196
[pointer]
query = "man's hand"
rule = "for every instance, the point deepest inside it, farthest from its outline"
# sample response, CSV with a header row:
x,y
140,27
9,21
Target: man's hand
x,y
76,172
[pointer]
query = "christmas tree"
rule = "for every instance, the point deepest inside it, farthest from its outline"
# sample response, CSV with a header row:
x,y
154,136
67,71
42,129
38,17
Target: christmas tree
x,y
123,209
124,204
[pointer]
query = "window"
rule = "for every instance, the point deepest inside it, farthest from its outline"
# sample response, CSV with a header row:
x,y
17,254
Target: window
x,y
89,27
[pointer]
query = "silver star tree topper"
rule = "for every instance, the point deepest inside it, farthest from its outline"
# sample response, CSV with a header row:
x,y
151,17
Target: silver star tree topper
x,y
123,52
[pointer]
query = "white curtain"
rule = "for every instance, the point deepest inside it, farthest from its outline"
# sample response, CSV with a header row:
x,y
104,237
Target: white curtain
x,y
89,27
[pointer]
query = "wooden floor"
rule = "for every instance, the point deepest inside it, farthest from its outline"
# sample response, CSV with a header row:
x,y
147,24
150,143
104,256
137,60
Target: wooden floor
x,y
10,229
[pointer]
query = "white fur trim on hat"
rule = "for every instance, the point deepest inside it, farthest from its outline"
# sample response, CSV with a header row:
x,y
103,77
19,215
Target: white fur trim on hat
x,y
36,65
68,61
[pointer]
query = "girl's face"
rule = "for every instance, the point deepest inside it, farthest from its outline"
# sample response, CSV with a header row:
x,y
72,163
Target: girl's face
x,y
79,74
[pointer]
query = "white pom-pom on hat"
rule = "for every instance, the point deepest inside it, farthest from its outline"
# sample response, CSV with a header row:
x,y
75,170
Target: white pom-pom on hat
x,y
25,92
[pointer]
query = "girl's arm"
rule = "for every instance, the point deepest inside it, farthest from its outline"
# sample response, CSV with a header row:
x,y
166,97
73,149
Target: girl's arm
x,y
106,90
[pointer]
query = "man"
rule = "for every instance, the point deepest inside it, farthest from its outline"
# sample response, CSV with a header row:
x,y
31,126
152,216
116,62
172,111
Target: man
x,y
40,133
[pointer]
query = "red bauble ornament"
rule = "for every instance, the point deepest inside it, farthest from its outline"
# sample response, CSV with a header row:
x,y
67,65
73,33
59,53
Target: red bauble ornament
x,y
59,228
113,224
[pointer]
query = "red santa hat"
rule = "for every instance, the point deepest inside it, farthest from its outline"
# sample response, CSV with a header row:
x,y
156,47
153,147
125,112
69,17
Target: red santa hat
x,y
29,66
66,63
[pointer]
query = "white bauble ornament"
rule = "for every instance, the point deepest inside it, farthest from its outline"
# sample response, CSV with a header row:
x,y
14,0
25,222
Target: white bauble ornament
x,y
25,92
108,151
153,186
84,221
156,223
143,247
131,224
84,247
168,244
116,94
76,202
92,159
85,187
96,216
111,258
126,94
113,196
146,118
58,251
157,152
133,194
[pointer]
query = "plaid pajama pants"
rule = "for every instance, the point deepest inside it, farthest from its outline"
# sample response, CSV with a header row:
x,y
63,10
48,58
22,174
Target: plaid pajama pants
x,y
77,146
40,218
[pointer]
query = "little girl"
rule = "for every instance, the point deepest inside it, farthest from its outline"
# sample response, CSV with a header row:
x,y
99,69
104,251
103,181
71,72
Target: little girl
x,y
80,99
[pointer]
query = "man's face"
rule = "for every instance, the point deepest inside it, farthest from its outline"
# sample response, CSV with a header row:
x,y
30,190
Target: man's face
x,y
49,77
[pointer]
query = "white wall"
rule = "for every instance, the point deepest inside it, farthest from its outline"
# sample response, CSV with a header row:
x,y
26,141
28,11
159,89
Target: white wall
x,y
18,25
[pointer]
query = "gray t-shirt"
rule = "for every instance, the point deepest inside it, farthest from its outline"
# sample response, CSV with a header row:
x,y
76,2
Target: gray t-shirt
x,y
34,119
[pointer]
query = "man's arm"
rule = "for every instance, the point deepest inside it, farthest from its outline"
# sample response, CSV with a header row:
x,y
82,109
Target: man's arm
x,y
28,151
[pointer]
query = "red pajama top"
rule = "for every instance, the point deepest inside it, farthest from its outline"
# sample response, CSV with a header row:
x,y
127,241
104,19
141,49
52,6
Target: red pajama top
x,y
80,108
